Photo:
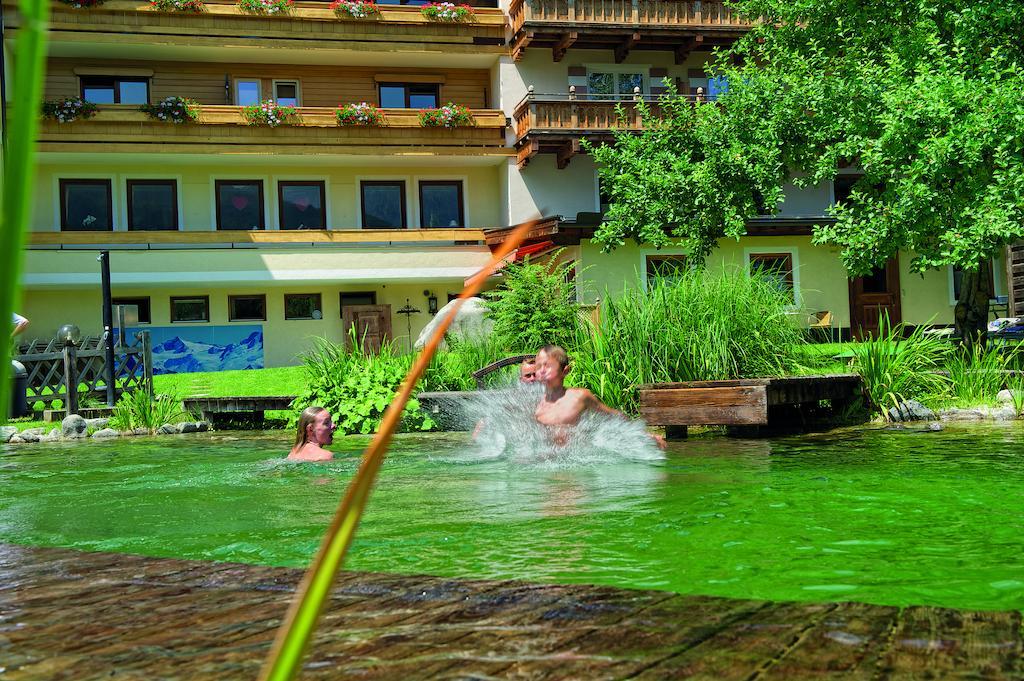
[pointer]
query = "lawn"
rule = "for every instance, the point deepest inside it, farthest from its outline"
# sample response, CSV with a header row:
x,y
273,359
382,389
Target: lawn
x,y
241,383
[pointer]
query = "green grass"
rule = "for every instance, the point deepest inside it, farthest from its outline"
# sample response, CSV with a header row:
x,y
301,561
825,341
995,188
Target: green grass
x,y
240,383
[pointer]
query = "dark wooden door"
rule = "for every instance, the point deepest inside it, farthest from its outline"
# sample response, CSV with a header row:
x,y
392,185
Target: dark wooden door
x,y
875,295
372,323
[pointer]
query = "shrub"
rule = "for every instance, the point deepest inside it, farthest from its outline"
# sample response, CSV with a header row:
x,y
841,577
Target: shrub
x,y
356,386
139,409
895,368
174,110
356,9
448,11
178,5
452,367
265,6
690,327
359,114
533,306
269,113
69,109
448,116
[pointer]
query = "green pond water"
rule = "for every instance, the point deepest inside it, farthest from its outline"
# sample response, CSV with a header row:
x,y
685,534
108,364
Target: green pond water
x,y
879,516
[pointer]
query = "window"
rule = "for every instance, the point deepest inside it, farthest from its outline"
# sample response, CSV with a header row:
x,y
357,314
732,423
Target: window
x,y
614,85
142,303
115,90
717,86
357,298
239,204
409,95
958,278
441,204
302,306
842,186
152,204
777,267
85,206
247,91
301,205
286,92
247,308
666,267
190,309
382,204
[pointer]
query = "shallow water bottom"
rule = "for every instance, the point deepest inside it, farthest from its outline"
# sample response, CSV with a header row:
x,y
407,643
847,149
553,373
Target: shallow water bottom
x,y
894,517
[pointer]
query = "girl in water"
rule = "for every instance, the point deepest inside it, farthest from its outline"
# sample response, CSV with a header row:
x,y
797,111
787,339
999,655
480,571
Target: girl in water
x,y
315,430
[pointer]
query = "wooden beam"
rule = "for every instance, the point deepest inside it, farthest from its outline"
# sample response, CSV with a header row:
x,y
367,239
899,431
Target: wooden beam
x,y
622,51
301,236
687,47
566,152
520,44
563,44
527,152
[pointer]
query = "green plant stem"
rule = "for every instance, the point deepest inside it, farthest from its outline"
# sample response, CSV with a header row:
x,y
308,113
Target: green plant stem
x,y
19,169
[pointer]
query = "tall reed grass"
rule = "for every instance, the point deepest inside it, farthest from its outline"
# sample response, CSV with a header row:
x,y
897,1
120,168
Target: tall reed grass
x,y
19,170
140,409
691,327
977,373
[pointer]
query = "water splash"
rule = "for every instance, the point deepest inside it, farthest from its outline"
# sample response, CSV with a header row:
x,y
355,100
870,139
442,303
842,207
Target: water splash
x,y
507,429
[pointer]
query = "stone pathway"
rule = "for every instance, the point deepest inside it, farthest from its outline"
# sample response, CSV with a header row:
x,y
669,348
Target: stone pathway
x,y
71,615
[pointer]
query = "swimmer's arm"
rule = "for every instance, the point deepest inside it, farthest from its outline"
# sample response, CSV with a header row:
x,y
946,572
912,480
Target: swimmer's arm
x,y
591,403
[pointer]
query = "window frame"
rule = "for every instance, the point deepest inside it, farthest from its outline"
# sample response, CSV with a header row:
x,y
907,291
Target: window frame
x,y
319,305
282,184
92,181
243,79
644,70
206,303
341,300
790,275
648,256
239,296
262,200
133,300
406,94
116,81
794,261
174,202
294,81
460,184
381,183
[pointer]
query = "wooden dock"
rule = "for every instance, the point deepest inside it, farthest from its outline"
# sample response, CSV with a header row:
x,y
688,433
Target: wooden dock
x,y
743,402
70,615
248,408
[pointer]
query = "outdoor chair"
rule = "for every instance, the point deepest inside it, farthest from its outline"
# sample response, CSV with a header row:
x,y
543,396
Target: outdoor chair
x,y
821,323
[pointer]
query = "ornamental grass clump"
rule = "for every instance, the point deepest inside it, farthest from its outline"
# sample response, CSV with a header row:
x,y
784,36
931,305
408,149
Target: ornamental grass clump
x,y
362,113
355,9
178,5
448,116
140,409
270,113
69,109
265,6
448,11
977,373
173,110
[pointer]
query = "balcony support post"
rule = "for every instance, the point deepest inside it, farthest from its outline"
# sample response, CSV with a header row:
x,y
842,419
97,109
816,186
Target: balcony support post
x,y
563,44
526,152
622,51
566,152
520,45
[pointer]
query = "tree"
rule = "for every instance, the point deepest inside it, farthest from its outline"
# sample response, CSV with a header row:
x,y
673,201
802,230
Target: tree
x,y
925,97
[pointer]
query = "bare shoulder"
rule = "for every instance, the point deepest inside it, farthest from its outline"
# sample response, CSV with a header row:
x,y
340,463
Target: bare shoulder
x,y
581,394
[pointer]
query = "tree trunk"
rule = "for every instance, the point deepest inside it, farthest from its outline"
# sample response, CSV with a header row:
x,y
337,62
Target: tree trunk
x,y
971,312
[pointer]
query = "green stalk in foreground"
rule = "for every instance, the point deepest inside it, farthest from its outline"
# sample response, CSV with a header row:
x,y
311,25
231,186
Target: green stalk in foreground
x,y
20,170
293,637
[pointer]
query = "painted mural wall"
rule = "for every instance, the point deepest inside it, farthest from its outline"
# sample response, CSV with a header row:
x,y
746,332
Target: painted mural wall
x,y
188,349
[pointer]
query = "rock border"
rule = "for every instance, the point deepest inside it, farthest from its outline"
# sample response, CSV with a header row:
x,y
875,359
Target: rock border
x,y
74,427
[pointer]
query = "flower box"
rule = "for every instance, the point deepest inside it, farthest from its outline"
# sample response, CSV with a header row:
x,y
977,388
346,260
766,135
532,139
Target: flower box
x,y
448,11
265,6
69,109
355,9
173,110
359,114
178,5
448,116
270,113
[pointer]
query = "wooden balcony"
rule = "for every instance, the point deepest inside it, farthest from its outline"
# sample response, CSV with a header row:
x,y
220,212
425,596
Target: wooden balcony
x,y
555,124
309,25
680,26
241,238
222,129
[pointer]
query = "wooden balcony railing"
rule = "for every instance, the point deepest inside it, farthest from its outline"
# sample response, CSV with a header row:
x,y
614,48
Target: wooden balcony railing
x,y
294,237
220,128
308,25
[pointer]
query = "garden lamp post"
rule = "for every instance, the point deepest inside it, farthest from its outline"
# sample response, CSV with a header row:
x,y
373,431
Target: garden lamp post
x,y
108,326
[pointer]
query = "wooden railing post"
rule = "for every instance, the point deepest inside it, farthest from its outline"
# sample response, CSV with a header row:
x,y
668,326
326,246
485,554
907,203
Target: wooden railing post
x,y
634,12
147,361
70,379
574,110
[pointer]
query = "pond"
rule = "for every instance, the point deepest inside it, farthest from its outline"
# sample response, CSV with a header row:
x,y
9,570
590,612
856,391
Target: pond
x,y
879,516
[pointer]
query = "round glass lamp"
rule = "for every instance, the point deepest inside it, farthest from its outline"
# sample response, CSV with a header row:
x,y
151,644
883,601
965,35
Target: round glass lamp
x,y
69,333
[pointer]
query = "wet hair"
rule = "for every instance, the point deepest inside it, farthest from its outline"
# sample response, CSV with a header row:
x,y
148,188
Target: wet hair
x,y
558,353
306,418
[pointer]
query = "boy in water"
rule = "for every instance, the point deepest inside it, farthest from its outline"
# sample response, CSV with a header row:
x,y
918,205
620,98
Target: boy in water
x,y
561,407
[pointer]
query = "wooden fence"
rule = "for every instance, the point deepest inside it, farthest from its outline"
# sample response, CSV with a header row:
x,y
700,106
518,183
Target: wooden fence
x,y
53,366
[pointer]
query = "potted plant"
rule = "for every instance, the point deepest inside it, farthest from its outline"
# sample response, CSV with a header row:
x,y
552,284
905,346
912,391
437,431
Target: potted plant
x,y
173,110
178,5
269,113
448,116
359,114
355,9
448,11
69,109
266,6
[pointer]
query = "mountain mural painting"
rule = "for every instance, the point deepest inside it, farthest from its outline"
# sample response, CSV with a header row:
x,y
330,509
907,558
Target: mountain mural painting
x,y
188,349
